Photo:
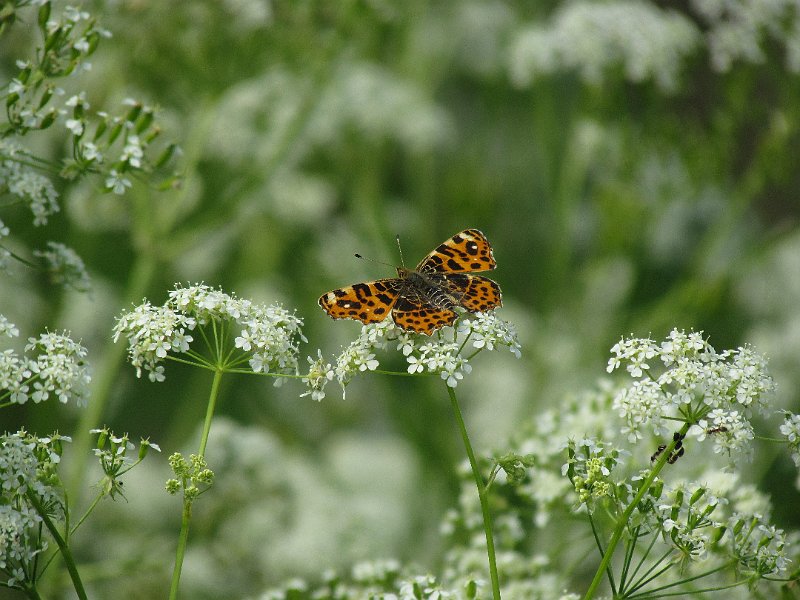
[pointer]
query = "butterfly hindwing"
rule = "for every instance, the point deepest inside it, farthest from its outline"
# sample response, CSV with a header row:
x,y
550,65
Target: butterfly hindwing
x,y
420,318
475,293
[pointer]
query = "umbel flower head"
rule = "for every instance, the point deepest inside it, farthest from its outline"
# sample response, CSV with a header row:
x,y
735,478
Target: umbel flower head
x,y
684,378
268,336
28,466
53,366
446,355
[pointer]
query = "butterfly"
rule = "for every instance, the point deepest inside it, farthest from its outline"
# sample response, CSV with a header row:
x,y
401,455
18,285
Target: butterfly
x,y
423,299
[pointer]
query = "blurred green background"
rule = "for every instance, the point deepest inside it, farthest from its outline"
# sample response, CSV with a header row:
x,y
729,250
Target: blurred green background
x,y
634,164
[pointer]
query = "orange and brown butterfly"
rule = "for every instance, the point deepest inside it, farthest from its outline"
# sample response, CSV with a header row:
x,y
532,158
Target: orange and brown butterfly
x,y
423,299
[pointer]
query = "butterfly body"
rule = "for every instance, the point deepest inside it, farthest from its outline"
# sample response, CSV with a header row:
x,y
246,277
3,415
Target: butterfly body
x,y
423,299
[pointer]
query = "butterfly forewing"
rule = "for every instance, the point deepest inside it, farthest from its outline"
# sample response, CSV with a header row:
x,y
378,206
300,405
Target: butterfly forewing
x,y
368,302
467,251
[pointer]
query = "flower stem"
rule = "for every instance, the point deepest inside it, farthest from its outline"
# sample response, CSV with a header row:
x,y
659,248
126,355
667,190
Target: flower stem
x,y
212,403
487,517
186,515
62,545
626,515
179,553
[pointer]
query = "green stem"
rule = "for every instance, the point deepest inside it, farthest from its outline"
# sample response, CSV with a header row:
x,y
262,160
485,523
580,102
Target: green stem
x,y
487,517
62,545
179,553
626,515
187,503
212,403
89,510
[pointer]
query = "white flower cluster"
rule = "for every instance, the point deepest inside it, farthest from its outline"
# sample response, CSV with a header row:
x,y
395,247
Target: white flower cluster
x,y
53,364
424,354
591,37
683,515
716,391
652,43
65,266
387,580
25,183
25,462
320,372
736,30
112,452
695,519
268,334
759,546
790,428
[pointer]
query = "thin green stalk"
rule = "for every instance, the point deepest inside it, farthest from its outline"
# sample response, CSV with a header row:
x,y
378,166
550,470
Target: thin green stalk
x,y
626,515
602,553
643,558
181,551
69,561
626,564
487,517
89,510
186,515
212,403
32,592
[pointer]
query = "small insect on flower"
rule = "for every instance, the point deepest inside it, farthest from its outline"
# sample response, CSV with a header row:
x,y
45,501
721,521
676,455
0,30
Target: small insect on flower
x,y
676,452
658,452
422,299
714,430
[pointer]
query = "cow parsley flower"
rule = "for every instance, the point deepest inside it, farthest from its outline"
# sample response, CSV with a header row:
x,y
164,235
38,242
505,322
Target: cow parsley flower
x,y
116,183
26,184
53,364
685,378
58,368
436,354
320,372
65,267
7,328
268,336
27,467
791,429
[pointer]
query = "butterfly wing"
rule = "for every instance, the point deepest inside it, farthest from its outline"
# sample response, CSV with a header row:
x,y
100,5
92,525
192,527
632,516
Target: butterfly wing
x,y
475,293
467,251
368,302
412,313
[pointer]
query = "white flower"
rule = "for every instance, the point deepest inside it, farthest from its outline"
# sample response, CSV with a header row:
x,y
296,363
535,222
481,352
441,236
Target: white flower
x,y
427,354
320,372
117,183
75,126
26,184
723,387
791,430
7,327
269,334
64,266
132,153
58,368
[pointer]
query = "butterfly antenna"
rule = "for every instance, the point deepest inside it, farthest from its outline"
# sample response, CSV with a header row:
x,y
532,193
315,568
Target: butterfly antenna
x,y
380,262
400,248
